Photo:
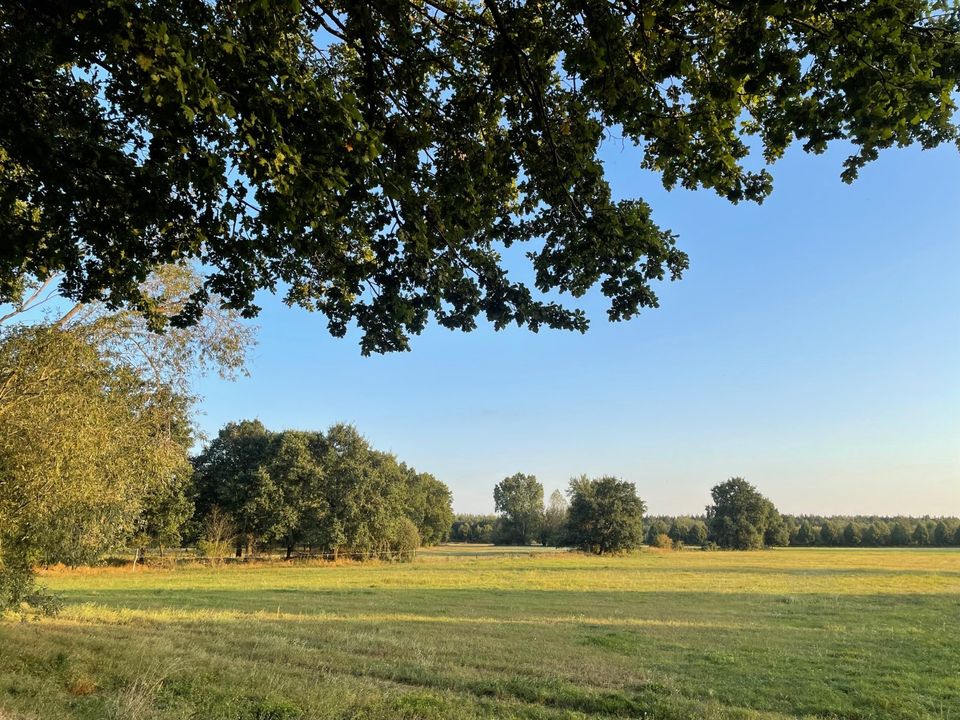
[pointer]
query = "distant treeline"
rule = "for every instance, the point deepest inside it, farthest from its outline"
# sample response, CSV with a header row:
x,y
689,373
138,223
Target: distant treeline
x,y
739,518
826,531
475,528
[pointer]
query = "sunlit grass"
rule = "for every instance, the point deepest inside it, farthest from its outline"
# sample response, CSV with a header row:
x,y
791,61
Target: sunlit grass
x,y
474,632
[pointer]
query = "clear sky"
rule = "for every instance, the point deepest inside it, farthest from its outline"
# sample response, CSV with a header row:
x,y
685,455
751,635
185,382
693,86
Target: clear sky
x,y
813,348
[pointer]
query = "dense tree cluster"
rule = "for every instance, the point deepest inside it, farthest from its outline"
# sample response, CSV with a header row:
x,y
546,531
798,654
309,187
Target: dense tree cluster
x,y
872,531
602,515
684,530
828,531
374,158
96,426
330,493
474,528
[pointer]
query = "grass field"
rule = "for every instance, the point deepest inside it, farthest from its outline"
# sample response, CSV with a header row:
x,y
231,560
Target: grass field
x,y
476,633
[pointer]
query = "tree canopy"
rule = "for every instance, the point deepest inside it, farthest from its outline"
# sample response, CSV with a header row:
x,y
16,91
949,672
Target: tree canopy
x,y
375,159
742,519
519,500
85,447
606,515
95,421
329,491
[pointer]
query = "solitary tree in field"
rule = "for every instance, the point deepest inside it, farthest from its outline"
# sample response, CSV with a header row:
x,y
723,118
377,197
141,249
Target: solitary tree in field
x,y
519,499
606,516
373,158
740,516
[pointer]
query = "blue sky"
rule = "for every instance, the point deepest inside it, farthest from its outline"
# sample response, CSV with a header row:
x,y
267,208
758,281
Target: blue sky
x,y
813,347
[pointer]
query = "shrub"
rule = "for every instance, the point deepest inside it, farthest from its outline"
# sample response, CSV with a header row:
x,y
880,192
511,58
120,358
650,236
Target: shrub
x,y
406,540
218,536
661,540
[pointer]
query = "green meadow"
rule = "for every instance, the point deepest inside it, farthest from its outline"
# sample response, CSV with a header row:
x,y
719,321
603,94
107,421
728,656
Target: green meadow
x,y
478,632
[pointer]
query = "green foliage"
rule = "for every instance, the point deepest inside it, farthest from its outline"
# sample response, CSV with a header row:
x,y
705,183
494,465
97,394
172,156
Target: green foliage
x,y
166,510
376,157
743,519
86,449
660,540
104,402
941,535
852,535
365,494
231,473
899,535
553,527
656,528
877,533
837,531
605,516
697,533
19,591
519,500
218,535
406,540
473,528
429,505
331,492
829,534
806,535
685,530
777,533
921,535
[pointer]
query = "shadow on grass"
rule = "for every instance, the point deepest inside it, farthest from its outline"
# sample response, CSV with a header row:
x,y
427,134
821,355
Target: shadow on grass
x,y
614,653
